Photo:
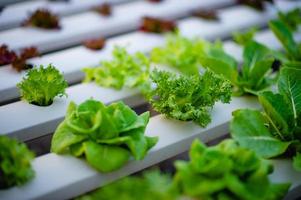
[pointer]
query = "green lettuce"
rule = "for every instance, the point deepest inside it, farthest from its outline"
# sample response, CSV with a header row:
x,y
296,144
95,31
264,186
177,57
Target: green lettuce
x,y
226,171
276,130
41,85
243,38
151,185
285,35
188,98
180,53
124,70
256,71
106,136
15,163
292,18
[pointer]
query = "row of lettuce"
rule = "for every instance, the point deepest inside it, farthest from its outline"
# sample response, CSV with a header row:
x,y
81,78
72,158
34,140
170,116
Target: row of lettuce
x,y
201,73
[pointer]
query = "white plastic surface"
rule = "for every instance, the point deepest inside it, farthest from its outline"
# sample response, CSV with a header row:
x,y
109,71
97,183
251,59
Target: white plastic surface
x,y
88,25
14,14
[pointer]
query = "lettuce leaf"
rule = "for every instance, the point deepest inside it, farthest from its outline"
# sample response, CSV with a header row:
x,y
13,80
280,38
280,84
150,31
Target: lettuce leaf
x,y
124,70
188,98
105,135
276,130
15,163
41,85
243,174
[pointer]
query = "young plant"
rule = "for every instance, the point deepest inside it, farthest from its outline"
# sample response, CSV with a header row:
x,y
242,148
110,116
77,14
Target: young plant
x,y
106,136
124,70
15,163
151,185
226,171
104,9
181,53
277,130
188,98
256,4
292,18
6,56
243,38
206,14
256,72
20,64
41,85
42,18
285,36
156,25
95,44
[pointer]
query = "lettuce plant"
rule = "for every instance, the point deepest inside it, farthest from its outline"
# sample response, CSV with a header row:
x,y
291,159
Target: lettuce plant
x,y
95,44
277,129
156,25
104,9
151,185
206,14
15,163
124,70
256,4
106,136
19,63
181,53
292,18
188,98
6,56
285,36
43,18
243,38
226,171
256,71
41,85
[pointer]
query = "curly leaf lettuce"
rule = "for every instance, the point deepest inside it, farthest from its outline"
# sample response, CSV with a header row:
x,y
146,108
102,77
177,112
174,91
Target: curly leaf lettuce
x,y
124,70
188,98
276,130
15,163
41,85
181,53
226,171
106,136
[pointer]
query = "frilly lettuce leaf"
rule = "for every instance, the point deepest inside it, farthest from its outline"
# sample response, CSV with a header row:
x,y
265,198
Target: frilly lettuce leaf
x,y
92,128
41,85
124,70
188,98
225,171
15,163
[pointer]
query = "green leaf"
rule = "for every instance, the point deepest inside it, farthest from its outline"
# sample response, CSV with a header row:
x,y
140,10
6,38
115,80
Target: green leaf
x,y
63,138
41,85
217,60
257,63
285,36
115,128
15,163
289,85
297,161
248,128
188,98
279,114
245,37
180,53
105,158
124,70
